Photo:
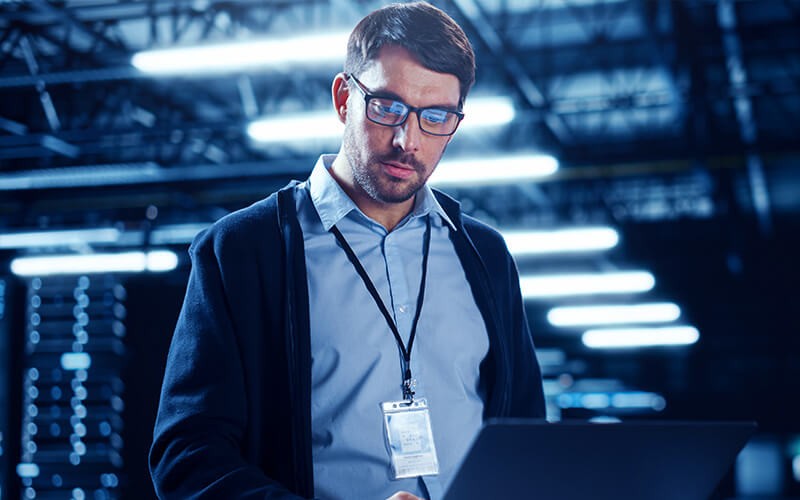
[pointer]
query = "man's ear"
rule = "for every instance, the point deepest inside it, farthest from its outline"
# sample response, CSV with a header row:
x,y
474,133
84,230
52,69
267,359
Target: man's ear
x,y
340,92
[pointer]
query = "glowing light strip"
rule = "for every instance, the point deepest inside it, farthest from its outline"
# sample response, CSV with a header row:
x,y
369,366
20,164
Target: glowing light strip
x,y
660,312
27,470
487,111
493,170
635,400
624,400
561,240
324,125
38,239
76,361
153,261
296,127
640,337
534,287
176,233
220,58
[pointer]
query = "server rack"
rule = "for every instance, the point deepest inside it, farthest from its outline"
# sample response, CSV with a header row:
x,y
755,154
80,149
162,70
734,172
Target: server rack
x,y
72,388
5,375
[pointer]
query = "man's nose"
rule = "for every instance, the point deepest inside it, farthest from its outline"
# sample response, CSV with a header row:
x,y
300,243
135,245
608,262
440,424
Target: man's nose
x,y
408,135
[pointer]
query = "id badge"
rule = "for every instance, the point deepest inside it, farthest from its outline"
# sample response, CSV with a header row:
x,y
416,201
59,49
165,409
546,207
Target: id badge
x,y
409,439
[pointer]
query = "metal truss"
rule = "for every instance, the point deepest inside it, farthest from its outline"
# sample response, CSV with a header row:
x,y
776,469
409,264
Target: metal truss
x,y
76,58
595,82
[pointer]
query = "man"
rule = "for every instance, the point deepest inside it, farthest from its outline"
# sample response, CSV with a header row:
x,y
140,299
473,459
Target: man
x,y
347,336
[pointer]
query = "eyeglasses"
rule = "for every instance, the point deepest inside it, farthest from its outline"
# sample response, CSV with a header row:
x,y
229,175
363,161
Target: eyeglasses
x,y
393,113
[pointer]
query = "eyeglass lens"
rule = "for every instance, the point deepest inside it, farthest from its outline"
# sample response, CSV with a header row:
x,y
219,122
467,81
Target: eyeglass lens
x,y
391,112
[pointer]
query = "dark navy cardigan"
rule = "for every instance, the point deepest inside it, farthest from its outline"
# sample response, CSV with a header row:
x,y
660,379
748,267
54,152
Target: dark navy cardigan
x,y
234,419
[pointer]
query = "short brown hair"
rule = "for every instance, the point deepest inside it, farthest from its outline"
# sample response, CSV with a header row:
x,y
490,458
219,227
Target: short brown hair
x,y
428,33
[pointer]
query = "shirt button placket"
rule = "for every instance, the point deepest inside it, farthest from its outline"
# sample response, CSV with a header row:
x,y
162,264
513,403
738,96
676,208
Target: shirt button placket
x,y
397,280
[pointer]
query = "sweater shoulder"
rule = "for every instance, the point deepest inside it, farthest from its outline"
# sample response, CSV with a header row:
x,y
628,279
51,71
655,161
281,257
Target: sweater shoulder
x,y
474,227
245,228
486,238
249,219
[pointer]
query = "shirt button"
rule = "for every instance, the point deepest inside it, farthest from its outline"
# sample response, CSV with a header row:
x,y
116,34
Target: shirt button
x,y
402,309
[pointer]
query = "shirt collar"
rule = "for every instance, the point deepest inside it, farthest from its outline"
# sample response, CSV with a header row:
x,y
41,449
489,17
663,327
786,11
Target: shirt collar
x,y
333,204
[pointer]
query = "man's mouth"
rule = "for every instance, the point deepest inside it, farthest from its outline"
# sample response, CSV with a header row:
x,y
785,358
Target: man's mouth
x,y
398,170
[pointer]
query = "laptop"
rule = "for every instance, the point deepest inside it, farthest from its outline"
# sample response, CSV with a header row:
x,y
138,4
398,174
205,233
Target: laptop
x,y
646,460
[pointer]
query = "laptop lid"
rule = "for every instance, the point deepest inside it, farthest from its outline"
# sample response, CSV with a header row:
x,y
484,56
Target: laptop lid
x,y
647,460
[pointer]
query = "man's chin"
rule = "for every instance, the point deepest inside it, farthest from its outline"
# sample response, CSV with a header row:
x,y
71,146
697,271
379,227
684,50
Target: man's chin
x,y
400,195
395,198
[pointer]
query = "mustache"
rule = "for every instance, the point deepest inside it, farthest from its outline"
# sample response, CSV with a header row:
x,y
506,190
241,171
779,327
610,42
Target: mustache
x,y
401,157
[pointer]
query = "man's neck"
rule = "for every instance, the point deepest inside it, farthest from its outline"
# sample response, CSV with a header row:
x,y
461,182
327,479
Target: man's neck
x,y
387,215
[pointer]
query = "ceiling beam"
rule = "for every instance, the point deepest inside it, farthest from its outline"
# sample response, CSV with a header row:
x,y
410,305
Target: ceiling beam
x,y
499,50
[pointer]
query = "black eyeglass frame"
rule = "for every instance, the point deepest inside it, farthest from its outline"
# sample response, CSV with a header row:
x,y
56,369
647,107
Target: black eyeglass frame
x,y
367,96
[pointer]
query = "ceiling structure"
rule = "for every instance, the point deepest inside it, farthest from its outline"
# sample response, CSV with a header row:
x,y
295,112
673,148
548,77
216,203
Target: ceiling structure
x,y
674,121
671,86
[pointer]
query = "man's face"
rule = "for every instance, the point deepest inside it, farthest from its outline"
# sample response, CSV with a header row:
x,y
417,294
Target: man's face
x,y
390,164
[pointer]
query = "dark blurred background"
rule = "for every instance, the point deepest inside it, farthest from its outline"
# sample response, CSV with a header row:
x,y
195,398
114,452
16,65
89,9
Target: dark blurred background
x,y
674,125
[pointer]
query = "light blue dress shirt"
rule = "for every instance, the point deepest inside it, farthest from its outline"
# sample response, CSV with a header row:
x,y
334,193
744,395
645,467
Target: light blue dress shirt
x,y
356,364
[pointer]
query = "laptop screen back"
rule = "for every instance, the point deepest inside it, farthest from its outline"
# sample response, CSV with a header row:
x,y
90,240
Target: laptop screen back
x,y
518,459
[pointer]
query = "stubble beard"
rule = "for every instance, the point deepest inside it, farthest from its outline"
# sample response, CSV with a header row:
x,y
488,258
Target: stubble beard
x,y
369,177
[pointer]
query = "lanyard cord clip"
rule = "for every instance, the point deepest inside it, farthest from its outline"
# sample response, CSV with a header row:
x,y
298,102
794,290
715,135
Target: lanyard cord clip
x,y
409,384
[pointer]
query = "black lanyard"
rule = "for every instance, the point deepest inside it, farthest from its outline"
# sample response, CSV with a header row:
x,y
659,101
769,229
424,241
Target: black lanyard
x,y
408,382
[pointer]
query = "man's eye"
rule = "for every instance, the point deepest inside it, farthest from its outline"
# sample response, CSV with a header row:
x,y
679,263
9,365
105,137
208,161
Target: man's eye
x,y
435,115
397,108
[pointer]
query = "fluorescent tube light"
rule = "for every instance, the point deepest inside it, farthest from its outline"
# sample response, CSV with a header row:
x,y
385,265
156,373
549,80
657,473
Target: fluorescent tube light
x,y
561,240
176,233
163,235
595,400
153,261
660,312
296,127
562,285
324,125
496,170
159,261
640,337
624,400
40,239
219,58
487,111
638,400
